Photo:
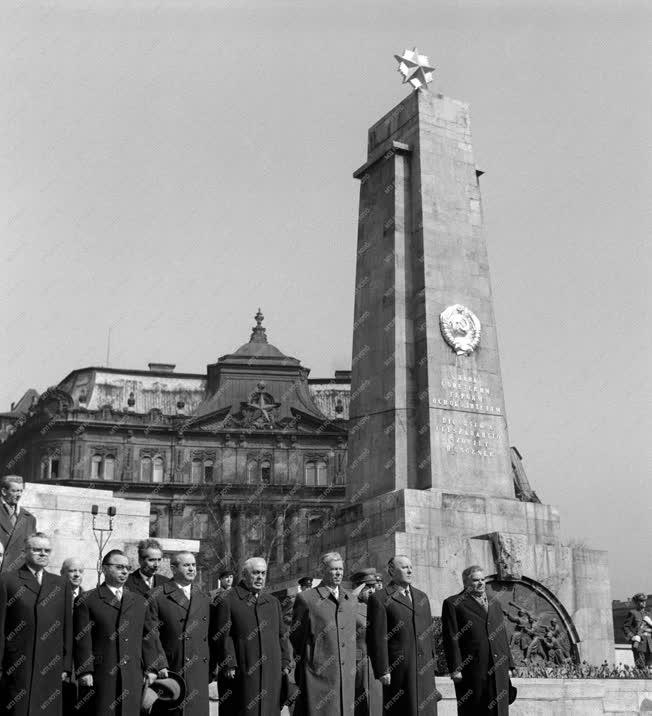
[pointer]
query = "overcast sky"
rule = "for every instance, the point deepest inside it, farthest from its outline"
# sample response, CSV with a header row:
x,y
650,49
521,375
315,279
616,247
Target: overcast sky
x,y
167,167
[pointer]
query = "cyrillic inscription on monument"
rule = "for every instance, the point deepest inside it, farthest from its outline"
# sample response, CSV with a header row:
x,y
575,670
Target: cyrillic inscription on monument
x,y
466,391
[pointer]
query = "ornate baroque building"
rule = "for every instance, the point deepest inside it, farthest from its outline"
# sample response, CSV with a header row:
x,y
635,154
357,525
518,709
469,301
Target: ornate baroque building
x,y
249,458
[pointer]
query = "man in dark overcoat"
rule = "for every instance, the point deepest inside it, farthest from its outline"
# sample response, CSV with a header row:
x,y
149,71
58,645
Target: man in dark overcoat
x,y
146,580
253,651
110,646
400,640
16,523
638,630
368,690
72,570
35,635
179,626
323,637
477,648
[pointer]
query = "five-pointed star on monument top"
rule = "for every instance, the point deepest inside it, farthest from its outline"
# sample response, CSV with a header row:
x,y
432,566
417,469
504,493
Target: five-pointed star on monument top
x,y
415,68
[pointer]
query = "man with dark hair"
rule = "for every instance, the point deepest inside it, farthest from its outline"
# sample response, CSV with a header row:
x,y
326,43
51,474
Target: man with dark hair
x,y
400,640
477,649
35,634
110,645
252,666
323,637
638,629
180,630
16,523
146,578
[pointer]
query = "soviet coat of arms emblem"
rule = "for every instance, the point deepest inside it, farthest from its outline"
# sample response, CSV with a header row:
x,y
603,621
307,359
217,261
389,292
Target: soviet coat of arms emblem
x,y
460,328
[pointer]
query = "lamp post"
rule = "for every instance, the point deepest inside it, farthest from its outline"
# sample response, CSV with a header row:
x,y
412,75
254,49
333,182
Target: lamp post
x,y
102,535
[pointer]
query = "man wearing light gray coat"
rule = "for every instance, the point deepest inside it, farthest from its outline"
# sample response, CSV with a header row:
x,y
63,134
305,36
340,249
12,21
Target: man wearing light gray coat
x,y
323,637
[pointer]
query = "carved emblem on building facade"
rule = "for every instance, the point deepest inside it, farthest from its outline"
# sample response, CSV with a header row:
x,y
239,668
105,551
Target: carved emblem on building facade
x,y
460,328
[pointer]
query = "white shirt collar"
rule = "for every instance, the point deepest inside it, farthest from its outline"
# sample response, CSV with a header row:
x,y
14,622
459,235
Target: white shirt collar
x,y
185,589
34,571
147,580
115,590
335,591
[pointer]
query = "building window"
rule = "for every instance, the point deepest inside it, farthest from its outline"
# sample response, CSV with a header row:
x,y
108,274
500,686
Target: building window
x,y
157,469
96,467
103,468
50,468
195,473
109,467
265,471
208,471
310,473
252,470
322,473
146,469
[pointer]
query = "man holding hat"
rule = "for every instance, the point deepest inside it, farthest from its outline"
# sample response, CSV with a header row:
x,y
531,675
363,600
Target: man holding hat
x,y
109,649
179,627
638,629
368,690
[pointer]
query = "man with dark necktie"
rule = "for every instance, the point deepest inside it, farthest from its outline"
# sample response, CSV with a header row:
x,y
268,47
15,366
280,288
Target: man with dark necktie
x,y
72,570
110,645
179,631
35,634
16,523
400,643
146,578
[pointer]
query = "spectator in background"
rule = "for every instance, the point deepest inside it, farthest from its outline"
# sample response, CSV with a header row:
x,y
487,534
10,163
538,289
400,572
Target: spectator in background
x,y
16,523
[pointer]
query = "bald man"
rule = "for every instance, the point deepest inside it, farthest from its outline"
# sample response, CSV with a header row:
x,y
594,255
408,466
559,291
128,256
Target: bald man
x,y
179,627
73,570
253,651
401,645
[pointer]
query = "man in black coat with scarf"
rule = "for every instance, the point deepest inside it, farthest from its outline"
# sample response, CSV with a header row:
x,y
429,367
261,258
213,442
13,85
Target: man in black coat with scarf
x,y
401,645
252,648
477,649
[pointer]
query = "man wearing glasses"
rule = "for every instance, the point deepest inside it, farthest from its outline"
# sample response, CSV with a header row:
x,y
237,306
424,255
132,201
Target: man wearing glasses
x,y
35,634
109,628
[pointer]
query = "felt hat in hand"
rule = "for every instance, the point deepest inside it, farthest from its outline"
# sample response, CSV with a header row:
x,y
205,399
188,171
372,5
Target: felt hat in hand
x,y
163,695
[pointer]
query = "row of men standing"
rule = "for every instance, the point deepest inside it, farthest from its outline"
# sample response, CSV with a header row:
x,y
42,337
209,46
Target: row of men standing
x,y
143,628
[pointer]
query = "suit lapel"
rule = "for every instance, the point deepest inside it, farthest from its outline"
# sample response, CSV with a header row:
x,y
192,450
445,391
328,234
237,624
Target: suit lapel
x,y
108,597
128,599
5,522
29,580
476,607
176,595
395,593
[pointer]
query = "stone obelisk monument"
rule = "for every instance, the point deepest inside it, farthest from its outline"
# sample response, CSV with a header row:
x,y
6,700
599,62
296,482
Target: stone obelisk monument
x,y
430,473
